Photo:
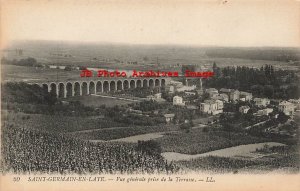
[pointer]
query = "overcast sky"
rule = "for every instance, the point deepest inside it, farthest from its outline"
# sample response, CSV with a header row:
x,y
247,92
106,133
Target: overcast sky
x,y
235,23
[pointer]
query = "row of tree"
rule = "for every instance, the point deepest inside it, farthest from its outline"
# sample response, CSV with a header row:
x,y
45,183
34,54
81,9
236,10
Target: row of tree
x,y
22,62
262,82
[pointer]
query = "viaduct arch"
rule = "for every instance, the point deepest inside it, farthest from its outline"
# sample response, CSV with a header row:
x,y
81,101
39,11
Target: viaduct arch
x,y
79,88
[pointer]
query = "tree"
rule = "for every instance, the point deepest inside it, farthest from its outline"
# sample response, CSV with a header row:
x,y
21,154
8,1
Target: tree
x,y
186,126
269,91
145,59
68,68
82,67
249,115
282,118
205,96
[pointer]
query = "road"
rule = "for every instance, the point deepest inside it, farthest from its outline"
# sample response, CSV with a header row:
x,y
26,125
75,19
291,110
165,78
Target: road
x,y
249,127
120,98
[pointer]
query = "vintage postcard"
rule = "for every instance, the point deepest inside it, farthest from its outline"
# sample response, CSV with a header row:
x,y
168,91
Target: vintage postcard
x,y
150,95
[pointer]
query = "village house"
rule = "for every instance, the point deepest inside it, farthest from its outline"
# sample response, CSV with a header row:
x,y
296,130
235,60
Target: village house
x,y
225,91
233,95
177,100
245,96
296,103
224,97
212,92
211,107
169,117
216,97
261,102
150,97
186,88
156,97
220,105
199,91
190,93
207,107
265,111
175,83
286,107
244,109
171,89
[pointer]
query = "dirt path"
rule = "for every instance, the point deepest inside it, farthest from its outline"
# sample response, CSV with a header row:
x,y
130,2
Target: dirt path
x,y
245,151
93,130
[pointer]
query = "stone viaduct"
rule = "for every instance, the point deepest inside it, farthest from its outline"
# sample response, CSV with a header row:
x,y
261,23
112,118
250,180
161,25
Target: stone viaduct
x,y
71,88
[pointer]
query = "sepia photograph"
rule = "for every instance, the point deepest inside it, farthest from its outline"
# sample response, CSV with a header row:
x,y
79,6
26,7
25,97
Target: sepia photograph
x,y
142,95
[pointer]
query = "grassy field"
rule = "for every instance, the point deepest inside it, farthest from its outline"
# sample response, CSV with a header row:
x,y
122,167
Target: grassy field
x,y
96,101
117,133
197,141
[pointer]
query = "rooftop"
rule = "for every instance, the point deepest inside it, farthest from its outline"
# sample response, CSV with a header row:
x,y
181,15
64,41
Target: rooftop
x,y
285,103
169,115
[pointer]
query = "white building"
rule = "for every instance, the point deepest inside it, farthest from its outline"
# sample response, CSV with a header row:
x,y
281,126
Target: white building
x,y
261,102
225,90
265,111
169,117
157,96
212,92
245,96
211,107
171,89
233,95
244,109
177,100
220,104
224,97
296,103
176,83
286,107
150,97
190,93
186,88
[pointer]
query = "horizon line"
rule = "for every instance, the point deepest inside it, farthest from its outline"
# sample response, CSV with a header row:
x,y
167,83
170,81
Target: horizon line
x,y
146,44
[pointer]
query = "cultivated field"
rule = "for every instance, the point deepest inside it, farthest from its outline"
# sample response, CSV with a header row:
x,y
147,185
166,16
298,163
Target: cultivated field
x,y
197,141
118,133
57,123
